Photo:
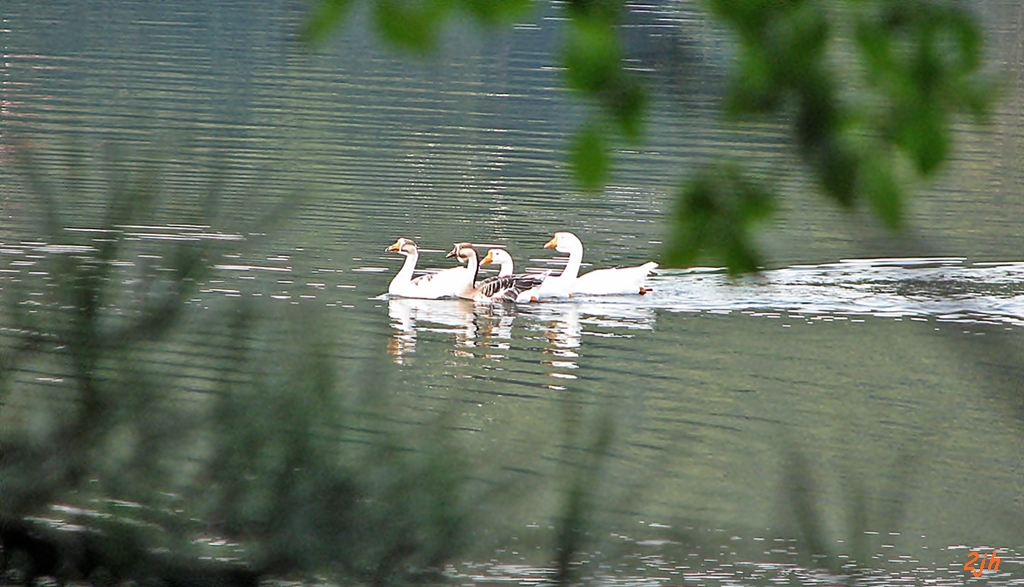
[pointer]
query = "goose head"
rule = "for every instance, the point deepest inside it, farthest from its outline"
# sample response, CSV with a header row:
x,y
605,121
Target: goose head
x,y
497,256
404,246
564,242
463,252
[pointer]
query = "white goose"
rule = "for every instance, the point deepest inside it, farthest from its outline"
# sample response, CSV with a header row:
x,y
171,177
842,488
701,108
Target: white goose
x,y
502,288
617,280
430,286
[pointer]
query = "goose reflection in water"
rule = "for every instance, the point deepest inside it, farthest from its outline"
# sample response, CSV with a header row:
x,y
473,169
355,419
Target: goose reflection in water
x,y
470,324
490,326
410,316
564,334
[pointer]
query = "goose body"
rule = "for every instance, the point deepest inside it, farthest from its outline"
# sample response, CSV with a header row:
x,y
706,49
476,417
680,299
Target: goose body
x,y
431,286
612,281
507,268
501,288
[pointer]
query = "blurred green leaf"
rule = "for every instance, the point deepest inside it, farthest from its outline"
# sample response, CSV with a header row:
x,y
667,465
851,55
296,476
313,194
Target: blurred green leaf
x,y
714,220
495,12
753,90
607,10
591,54
923,58
796,43
325,16
588,158
923,135
629,105
411,24
594,67
836,163
884,189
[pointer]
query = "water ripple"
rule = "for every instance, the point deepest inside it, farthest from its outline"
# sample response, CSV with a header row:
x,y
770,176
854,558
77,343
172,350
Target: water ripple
x,y
947,289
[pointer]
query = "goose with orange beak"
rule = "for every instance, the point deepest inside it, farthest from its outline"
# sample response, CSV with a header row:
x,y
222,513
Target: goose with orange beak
x,y
500,257
445,283
599,282
503,259
501,288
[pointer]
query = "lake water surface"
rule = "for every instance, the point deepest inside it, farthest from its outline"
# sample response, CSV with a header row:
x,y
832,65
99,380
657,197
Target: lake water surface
x,y
886,369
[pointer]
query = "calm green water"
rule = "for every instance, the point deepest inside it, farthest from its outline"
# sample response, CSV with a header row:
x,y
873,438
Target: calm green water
x,y
897,379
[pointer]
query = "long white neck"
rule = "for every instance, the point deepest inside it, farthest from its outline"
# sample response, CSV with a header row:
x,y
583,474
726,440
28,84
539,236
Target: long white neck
x,y
507,267
404,274
472,268
572,268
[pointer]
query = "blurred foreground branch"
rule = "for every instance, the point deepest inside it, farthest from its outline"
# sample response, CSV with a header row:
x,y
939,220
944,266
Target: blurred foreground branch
x,y
147,438
868,90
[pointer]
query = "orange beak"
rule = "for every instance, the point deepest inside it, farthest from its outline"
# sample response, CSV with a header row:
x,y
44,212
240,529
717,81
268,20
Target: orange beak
x,y
393,248
552,243
487,260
